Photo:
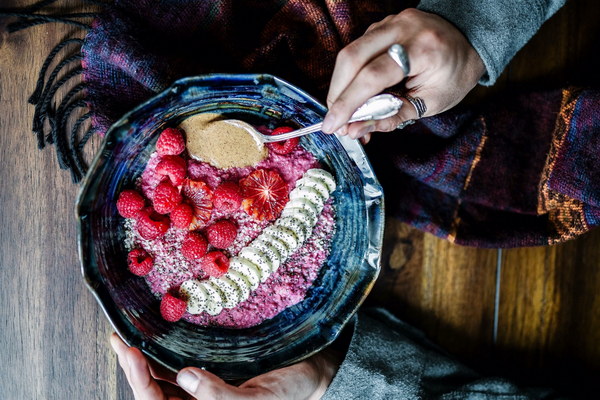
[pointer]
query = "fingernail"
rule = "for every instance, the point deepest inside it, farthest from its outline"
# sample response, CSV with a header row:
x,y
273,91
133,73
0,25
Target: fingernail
x,y
188,381
328,123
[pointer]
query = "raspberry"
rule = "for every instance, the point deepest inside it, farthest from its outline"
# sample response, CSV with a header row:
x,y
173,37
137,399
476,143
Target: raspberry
x,y
215,263
166,197
174,167
182,216
172,308
130,202
194,246
139,261
221,234
227,197
265,194
170,142
151,225
285,146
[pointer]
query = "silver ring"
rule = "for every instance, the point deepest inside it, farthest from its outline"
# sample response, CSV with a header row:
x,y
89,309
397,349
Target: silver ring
x,y
400,57
406,123
418,104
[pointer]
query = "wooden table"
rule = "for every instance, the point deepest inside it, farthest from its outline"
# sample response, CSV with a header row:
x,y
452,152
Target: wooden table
x,y
534,310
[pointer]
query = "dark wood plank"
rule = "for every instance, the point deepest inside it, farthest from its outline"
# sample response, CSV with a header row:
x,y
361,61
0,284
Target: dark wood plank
x,y
53,337
444,289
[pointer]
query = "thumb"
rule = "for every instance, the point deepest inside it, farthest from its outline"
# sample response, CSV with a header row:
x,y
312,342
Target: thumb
x,y
204,385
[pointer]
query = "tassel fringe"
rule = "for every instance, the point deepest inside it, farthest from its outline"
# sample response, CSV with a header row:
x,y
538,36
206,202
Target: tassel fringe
x,y
52,115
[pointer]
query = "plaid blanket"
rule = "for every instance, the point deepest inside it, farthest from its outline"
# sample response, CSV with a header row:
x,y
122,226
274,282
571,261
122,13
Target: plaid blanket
x,y
520,170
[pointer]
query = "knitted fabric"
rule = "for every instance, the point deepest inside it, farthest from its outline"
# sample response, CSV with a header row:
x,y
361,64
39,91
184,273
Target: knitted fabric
x,y
521,170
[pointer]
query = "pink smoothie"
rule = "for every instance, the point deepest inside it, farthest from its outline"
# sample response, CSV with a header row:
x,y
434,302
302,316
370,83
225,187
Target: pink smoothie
x,y
285,287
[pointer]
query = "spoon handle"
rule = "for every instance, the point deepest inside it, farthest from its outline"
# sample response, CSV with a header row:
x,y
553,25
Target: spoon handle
x,y
377,107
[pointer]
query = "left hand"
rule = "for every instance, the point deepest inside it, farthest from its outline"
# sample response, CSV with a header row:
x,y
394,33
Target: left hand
x,y
306,380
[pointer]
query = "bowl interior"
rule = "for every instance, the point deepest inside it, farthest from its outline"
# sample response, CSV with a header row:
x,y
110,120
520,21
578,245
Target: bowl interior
x,y
298,331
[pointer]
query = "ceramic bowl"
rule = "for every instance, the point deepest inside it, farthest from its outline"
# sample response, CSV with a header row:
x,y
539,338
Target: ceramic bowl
x,y
297,332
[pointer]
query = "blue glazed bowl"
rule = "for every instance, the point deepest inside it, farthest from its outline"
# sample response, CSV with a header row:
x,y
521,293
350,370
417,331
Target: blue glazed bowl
x,y
297,332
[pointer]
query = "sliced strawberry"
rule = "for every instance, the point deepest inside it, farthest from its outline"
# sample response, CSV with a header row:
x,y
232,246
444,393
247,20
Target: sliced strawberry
x,y
200,196
265,194
285,146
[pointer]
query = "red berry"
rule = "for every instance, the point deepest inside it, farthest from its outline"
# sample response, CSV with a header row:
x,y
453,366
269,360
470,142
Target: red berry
x,y
152,225
221,234
201,198
166,197
227,197
170,142
182,216
130,202
139,261
215,263
265,194
285,146
194,246
172,308
173,167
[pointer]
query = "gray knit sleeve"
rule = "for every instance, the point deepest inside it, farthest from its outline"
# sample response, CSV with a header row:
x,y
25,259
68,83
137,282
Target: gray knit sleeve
x,y
497,29
388,359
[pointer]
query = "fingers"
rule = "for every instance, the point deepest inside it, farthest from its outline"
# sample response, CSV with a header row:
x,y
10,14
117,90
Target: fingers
x,y
205,385
137,371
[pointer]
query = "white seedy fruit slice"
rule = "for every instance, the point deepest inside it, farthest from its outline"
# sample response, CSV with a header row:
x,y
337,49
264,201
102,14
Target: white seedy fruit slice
x,y
241,281
232,294
303,204
247,269
278,243
323,175
315,183
259,259
196,296
304,216
270,250
286,235
295,225
309,194
214,301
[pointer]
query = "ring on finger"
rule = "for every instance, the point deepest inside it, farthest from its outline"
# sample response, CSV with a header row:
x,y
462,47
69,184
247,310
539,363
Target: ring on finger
x,y
418,104
406,123
397,52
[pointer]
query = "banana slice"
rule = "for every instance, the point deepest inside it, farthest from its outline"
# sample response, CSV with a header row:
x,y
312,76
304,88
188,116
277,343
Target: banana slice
x,y
214,302
286,235
323,175
247,269
303,204
315,183
295,225
232,294
278,243
306,217
259,259
270,250
195,294
310,194
241,281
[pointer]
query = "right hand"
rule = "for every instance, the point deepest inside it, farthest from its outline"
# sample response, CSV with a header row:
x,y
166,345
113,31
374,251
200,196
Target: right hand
x,y
444,67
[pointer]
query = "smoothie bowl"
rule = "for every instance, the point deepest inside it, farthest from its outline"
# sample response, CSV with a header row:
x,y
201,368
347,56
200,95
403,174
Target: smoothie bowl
x,y
236,268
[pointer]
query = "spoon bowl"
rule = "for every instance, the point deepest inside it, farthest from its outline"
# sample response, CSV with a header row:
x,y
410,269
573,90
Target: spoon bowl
x,y
375,108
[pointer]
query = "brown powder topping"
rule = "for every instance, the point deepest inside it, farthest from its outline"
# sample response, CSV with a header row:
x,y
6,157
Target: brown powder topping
x,y
221,144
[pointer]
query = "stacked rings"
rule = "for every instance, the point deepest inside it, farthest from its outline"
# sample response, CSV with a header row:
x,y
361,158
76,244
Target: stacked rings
x,y
418,104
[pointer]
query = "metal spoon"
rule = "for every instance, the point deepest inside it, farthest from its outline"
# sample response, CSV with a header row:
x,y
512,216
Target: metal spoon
x,y
378,107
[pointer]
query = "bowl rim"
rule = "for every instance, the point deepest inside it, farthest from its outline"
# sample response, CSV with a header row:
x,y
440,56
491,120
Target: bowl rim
x,y
353,148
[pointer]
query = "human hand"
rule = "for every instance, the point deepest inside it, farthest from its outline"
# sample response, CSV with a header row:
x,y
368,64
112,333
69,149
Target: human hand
x,y
444,67
306,380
